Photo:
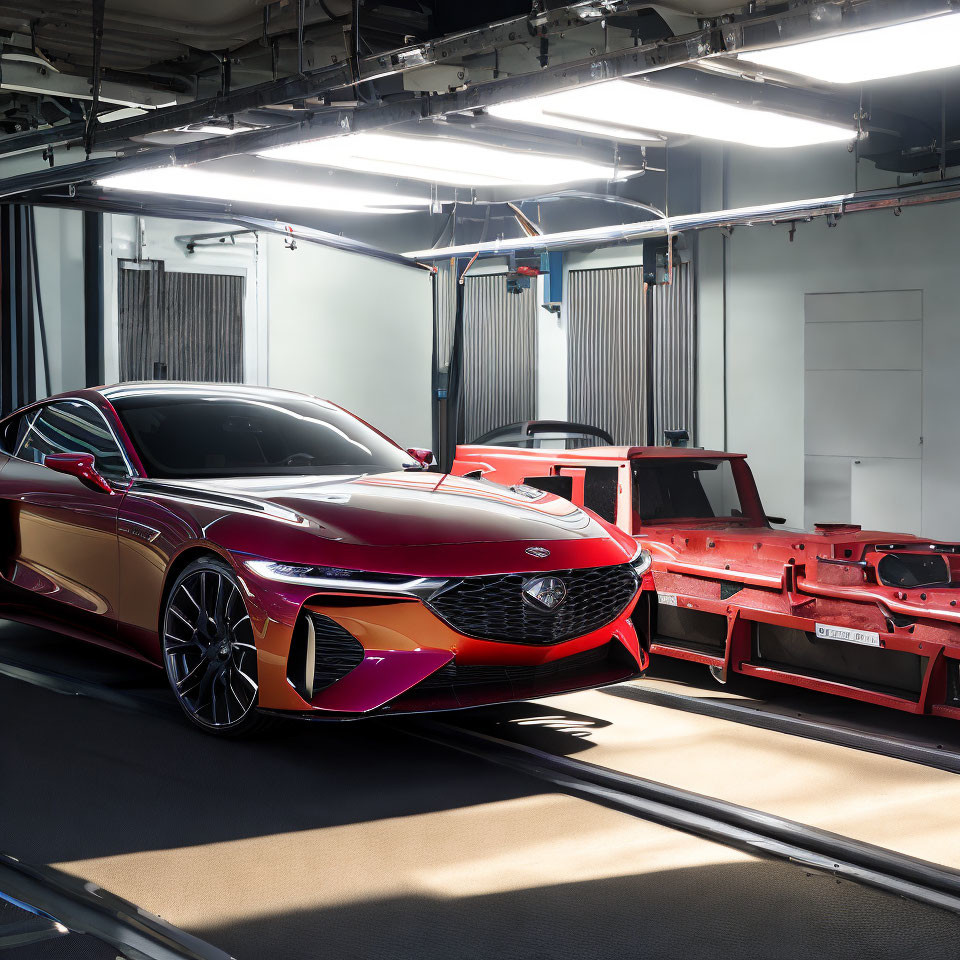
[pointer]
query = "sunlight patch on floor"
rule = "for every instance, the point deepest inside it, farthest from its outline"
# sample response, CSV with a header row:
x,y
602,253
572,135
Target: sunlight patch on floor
x,y
509,845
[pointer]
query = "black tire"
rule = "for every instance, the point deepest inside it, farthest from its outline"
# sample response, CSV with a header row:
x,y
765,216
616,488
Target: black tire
x,y
209,651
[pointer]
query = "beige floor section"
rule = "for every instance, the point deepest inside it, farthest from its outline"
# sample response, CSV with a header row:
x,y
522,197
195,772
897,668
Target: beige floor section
x,y
356,842
493,848
892,803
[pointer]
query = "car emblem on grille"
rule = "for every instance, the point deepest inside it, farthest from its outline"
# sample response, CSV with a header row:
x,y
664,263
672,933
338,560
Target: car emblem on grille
x,y
545,593
538,552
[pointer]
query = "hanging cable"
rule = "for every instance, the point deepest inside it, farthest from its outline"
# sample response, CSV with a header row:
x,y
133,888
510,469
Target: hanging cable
x,y
90,128
355,59
301,14
329,13
35,271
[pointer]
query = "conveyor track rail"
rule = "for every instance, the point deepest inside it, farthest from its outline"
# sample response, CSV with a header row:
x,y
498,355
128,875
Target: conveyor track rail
x,y
757,833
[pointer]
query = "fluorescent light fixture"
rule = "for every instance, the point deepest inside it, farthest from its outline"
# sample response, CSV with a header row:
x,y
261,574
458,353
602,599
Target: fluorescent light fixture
x,y
442,160
641,107
580,111
210,185
215,129
895,51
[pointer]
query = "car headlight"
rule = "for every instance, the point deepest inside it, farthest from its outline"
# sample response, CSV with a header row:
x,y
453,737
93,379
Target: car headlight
x,y
641,562
340,577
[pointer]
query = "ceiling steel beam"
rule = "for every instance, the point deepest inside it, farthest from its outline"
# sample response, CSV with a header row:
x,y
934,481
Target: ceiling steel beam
x,y
340,76
804,19
793,211
333,122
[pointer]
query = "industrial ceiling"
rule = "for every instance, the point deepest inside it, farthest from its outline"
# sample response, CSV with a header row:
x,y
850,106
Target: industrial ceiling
x,y
92,89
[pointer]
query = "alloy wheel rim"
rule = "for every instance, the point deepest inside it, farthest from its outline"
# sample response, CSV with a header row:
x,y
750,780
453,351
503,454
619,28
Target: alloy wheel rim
x,y
209,650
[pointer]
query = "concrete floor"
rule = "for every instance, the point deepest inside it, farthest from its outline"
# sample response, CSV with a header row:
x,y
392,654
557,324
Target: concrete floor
x,y
357,841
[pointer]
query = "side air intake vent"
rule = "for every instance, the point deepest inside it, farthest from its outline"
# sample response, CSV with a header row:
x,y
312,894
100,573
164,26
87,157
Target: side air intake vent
x,y
322,653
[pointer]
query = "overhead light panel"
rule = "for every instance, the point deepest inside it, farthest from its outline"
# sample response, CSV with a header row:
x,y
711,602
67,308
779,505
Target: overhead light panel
x,y
895,51
211,185
443,160
578,110
216,129
639,107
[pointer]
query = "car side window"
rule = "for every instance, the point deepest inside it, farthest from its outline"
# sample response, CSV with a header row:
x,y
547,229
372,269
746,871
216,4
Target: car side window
x,y
13,432
68,426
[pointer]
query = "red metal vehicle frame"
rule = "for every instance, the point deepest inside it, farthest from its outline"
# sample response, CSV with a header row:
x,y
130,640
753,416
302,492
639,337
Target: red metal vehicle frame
x,y
814,597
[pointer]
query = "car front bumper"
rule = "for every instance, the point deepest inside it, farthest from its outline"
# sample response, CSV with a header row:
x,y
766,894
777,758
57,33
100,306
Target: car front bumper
x,y
413,661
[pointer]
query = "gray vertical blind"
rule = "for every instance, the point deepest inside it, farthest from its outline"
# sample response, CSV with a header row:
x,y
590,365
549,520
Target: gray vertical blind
x,y
138,318
203,327
446,310
190,322
674,322
499,354
606,330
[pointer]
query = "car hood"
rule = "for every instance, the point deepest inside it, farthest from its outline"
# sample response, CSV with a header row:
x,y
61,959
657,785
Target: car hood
x,y
405,509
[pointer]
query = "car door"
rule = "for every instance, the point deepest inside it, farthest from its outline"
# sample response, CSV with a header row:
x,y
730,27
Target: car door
x,y
63,555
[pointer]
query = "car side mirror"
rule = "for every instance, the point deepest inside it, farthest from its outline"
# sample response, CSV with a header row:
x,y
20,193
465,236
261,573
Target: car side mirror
x,y
79,465
421,456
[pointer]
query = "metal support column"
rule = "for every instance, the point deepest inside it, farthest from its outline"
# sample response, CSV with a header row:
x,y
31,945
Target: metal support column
x,y
93,332
17,346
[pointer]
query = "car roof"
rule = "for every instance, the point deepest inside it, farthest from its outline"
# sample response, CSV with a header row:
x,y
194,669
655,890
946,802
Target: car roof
x,y
173,388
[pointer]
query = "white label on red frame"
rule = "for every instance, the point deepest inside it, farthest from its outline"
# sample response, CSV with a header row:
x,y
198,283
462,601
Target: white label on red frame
x,y
848,635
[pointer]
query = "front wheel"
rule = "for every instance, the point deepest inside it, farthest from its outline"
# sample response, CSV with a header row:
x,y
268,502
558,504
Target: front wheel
x,y
209,651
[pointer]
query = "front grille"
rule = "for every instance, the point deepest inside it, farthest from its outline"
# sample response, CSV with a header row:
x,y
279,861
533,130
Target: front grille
x,y
337,651
493,608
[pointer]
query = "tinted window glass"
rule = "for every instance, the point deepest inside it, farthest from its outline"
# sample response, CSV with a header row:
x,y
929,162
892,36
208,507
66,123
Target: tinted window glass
x,y
71,427
684,490
13,432
218,436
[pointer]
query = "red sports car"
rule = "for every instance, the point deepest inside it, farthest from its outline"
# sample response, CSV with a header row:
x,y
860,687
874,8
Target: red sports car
x,y
274,553
865,614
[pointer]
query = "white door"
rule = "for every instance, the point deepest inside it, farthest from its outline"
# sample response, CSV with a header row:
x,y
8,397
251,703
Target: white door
x,y
863,401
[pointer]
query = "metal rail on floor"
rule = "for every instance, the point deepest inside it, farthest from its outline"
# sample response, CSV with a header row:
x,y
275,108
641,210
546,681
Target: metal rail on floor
x,y
757,833
80,907
870,742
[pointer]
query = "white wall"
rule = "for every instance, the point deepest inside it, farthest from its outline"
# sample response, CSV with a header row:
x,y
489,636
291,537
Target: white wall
x,y
350,328
60,264
766,280
354,330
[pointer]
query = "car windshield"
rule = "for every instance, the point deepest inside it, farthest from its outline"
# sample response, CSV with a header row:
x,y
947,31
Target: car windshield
x,y
685,490
224,436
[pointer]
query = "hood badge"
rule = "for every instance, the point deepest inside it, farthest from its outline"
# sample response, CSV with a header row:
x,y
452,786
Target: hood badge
x,y
540,552
545,593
